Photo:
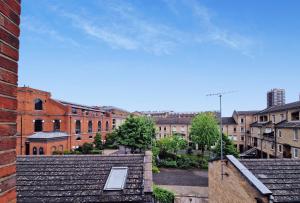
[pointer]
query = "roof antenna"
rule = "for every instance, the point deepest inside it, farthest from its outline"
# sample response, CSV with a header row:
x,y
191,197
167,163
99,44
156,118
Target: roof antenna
x,y
220,95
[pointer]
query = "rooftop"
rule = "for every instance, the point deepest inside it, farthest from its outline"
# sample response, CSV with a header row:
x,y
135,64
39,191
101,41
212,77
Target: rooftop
x,y
278,176
281,108
252,112
173,120
48,135
80,178
228,121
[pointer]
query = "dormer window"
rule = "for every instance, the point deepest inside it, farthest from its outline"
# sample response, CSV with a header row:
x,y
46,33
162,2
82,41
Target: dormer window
x,y
38,104
74,111
116,179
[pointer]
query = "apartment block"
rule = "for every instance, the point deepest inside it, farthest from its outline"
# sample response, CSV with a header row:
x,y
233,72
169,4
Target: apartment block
x,y
276,132
46,125
275,97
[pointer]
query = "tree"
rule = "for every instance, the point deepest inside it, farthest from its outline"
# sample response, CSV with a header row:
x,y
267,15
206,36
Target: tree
x,y
136,133
172,144
228,147
204,130
98,141
87,148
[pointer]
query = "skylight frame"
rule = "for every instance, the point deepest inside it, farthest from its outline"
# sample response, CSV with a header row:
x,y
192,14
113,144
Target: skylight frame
x,y
108,185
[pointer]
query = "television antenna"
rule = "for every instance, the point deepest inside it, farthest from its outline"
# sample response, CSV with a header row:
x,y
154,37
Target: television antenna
x,y
220,95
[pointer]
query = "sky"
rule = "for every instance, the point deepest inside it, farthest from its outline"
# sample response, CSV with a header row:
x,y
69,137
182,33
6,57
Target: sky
x,y
161,54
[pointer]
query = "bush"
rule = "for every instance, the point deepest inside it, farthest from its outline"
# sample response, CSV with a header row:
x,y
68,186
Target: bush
x,y
87,148
96,151
168,163
98,141
66,152
57,152
162,195
155,169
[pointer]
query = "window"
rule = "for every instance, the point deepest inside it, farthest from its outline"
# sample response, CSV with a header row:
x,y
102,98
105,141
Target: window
x,y
116,179
77,127
242,138
53,149
41,151
74,111
296,134
61,148
273,118
280,148
242,120
272,146
174,128
90,127
295,153
87,113
113,123
279,133
34,151
107,126
282,117
99,126
56,125
263,118
242,129
38,104
234,130
38,125
159,128
295,116
165,128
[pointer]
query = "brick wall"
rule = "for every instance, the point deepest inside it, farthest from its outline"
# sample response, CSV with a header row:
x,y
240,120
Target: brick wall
x,y
234,188
9,56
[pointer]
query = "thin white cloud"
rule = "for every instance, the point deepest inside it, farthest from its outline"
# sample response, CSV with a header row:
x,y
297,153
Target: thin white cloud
x,y
33,25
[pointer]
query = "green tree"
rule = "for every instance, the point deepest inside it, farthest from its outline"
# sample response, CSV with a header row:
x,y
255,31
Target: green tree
x,y
204,130
98,141
136,133
172,144
228,147
87,148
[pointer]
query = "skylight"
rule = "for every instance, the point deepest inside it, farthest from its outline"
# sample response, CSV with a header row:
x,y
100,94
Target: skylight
x,y
116,179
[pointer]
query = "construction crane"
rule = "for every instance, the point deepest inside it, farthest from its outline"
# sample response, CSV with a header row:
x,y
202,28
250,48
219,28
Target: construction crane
x,y
220,95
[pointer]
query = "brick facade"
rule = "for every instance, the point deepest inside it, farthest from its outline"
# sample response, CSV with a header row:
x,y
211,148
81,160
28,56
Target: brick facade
x,y
65,113
9,56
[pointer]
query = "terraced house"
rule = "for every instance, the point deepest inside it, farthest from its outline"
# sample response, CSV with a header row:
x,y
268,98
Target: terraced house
x,y
276,132
46,125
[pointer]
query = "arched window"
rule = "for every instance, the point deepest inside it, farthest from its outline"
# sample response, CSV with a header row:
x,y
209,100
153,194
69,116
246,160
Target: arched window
x,y
99,126
34,151
90,127
41,151
113,123
77,127
53,149
38,125
38,104
61,148
56,125
107,126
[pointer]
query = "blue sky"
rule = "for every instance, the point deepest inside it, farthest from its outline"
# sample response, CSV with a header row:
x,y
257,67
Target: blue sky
x,y
162,54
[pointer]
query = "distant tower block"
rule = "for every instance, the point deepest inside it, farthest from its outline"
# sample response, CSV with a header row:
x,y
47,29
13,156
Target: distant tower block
x,y
275,97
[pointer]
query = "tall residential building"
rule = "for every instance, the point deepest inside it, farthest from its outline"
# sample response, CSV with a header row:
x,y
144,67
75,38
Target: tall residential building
x,y
275,97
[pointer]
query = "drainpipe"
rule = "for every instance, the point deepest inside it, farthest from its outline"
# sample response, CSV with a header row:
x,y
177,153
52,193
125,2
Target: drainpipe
x,y
21,134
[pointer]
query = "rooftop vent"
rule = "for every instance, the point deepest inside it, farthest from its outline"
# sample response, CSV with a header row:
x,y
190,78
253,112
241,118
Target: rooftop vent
x,y
116,179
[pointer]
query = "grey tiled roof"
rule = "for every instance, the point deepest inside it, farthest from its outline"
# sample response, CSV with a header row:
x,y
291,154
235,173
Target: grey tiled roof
x,y
260,124
281,176
247,112
48,135
76,178
228,121
173,120
286,124
281,107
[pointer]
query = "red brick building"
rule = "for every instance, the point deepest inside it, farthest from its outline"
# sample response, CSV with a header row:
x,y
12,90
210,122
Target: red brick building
x,y
9,55
46,125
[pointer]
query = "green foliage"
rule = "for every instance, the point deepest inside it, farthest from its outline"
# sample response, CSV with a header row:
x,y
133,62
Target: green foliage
x,y
185,161
228,147
155,169
204,130
87,148
163,195
96,151
172,144
56,152
136,133
168,163
111,141
98,141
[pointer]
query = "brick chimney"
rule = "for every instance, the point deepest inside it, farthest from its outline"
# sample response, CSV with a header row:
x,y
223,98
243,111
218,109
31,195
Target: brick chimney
x,y
9,56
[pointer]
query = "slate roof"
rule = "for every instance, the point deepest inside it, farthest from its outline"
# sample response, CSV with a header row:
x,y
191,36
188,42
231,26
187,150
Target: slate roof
x,y
173,120
260,124
247,112
228,121
78,178
80,106
281,108
280,176
48,135
287,124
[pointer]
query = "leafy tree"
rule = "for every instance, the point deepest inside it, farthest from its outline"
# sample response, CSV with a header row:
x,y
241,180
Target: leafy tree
x,y
172,144
98,141
228,147
204,130
136,133
111,140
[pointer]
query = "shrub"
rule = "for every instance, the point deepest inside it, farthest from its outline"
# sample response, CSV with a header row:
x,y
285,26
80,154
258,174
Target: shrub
x,y
66,152
155,169
168,163
162,195
98,141
87,148
57,152
96,151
